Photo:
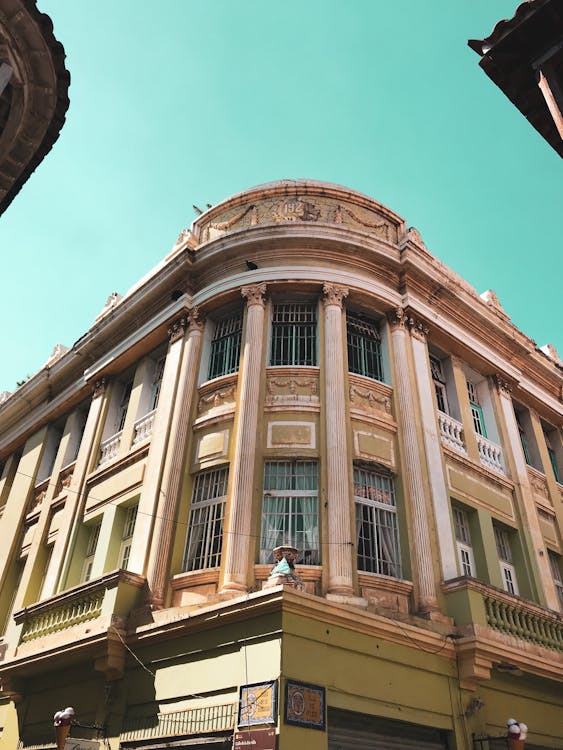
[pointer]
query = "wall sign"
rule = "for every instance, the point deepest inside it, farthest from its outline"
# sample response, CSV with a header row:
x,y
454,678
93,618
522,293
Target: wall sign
x,y
305,705
257,704
255,739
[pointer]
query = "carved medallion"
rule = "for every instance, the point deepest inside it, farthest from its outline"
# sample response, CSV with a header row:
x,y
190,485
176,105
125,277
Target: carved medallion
x,y
294,209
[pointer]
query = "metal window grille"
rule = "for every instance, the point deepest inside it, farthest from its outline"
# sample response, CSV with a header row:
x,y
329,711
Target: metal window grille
x,y
377,533
364,347
205,526
157,382
225,346
290,511
294,335
556,573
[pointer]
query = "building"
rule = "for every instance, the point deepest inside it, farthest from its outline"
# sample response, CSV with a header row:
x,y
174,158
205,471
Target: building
x,y
523,56
299,370
33,93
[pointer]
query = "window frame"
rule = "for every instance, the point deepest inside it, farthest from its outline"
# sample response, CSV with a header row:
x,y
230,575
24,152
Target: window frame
x,y
439,382
376,515
92,544
295,358
302,529
207,511
476,410
556,574
462,534
129,523
366,347
225,346
504,551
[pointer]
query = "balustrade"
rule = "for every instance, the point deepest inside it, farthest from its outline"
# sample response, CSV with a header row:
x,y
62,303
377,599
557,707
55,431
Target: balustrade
x,y
179,723
490,454
109,448
143,428
87,607
451,432
514,618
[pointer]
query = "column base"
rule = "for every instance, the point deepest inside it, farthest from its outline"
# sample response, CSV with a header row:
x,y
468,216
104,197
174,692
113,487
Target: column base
x,y
353,601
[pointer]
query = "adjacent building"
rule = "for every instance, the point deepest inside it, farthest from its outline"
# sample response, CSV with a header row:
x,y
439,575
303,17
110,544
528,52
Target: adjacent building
x,y
523,56
298,371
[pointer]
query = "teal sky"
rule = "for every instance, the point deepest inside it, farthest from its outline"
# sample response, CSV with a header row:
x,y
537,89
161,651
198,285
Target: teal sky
x,y
181,102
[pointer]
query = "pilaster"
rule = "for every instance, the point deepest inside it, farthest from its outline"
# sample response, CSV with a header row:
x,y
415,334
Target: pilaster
x,y
413,474
434,456
536,557
340,545
238,527
160,498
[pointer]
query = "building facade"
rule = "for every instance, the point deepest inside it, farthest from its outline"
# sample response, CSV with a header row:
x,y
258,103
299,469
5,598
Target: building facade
x,y
299,370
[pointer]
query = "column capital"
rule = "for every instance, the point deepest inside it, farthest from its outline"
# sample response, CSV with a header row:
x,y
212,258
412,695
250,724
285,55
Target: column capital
x,y
177,328
397,317
99,387
196,320
254,295
418,328
334,294
503,385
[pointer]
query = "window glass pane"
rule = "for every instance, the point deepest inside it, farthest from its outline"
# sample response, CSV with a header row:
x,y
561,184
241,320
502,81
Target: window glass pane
x,y
461,526
225,346
294,335
553,462
157,383
207,515
290,513
377,534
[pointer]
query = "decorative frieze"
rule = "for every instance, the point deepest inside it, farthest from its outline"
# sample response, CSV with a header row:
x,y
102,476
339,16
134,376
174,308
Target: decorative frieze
x,y
216,399
177,328
503,385
99,387
369,399
294,209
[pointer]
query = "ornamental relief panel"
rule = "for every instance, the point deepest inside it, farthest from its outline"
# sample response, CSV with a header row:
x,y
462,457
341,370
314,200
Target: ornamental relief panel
x,y
220,397
373,399
539,487
291,390
297,209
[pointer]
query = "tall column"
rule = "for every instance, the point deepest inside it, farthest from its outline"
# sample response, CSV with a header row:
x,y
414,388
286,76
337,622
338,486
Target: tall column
x,y
236,559
533,542
413,475
169,454
72,514
340,546
434,459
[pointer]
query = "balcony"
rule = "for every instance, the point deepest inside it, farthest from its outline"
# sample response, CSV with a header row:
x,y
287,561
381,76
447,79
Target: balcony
x,y
81,618
490,454
500,629
109,448
142,429
451,433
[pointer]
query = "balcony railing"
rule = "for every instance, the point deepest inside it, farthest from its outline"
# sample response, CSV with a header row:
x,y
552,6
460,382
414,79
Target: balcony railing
x,y
142,429
112,594
490,454
178,723
109,448
474,602
451,432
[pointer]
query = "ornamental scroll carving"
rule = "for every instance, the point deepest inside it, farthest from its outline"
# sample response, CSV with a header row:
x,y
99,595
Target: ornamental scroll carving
x,y
502,384
293,385
216,399
380,228
334,294
375,401
221,227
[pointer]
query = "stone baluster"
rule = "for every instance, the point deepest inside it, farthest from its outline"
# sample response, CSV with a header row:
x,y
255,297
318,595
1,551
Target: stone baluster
x,y
237,550
161,493
340,576
413,474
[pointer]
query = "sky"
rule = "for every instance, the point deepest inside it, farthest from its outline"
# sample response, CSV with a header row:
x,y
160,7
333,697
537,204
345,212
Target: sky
x,y
182,102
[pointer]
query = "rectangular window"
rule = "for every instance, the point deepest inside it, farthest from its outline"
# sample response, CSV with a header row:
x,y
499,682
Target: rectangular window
x,y
476,410
463,539
123,404
290,511
91,551
504,551
377,533
127,536
157,383
364,347
439,384
553,462
524,441
294,334
555,563
207,515
225,346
